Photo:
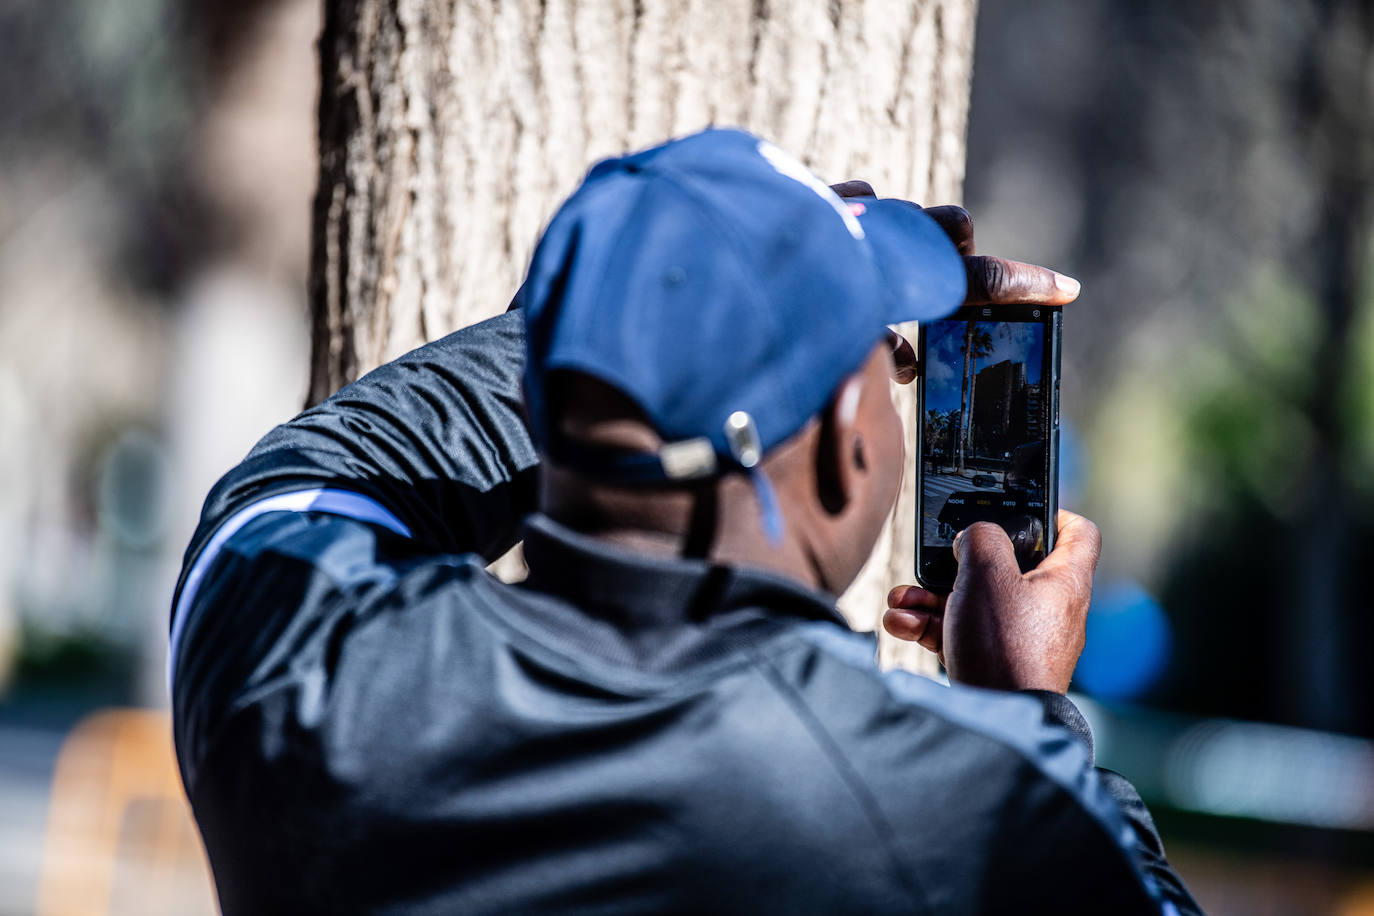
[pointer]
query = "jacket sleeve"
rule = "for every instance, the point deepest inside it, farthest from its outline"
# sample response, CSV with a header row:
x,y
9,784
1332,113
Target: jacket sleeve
x,y
438,437
990,799
1061,711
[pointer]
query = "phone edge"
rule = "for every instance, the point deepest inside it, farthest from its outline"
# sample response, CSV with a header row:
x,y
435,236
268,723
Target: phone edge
x,y
1055,343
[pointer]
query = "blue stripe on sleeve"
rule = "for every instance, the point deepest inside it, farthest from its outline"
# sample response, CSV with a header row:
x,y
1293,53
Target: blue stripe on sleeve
x,y
319,499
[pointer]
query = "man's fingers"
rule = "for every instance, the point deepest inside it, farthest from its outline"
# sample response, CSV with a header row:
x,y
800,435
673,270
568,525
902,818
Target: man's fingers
x,y
993,281
958,225
904,361
984,550
853,188
956,222
913,597
905,625
1071,528
914,626
916,615
933,639
1077,546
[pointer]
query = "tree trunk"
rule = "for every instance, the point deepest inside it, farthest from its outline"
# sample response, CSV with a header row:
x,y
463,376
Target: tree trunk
x,y
451,129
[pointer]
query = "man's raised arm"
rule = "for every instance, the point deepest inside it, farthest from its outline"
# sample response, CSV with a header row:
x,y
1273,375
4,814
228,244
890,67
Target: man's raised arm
x,y
437,438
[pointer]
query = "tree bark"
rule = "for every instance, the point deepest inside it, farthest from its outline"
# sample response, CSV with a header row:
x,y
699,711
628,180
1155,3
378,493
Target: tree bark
x,y
451,129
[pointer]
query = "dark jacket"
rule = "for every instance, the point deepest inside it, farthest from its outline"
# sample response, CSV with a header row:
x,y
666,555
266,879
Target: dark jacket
x,y
368,722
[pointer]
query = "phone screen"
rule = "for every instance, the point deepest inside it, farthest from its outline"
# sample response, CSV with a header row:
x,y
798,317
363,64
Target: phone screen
x,y
989,432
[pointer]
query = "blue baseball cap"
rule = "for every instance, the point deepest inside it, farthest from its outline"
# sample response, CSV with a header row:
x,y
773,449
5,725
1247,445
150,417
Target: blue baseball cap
x,y
722,287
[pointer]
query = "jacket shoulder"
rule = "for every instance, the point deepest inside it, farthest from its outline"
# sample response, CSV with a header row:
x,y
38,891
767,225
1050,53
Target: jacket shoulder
x,y
975,786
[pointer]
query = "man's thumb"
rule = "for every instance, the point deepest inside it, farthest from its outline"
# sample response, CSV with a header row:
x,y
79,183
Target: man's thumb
x,y
983,549
1077,547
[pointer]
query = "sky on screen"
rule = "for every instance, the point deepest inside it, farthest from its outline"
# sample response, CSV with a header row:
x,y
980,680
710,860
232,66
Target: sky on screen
x,y
1019,341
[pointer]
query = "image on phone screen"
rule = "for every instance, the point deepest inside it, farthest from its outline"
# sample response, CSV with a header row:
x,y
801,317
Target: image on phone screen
x,y
987,433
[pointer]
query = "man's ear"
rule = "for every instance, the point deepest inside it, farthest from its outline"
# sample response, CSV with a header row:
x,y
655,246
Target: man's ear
x,y
840,459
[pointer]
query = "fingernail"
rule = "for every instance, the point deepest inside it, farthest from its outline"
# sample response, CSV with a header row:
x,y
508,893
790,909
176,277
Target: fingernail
x,y
1067,285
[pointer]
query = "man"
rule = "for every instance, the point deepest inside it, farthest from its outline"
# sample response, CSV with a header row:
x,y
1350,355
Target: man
x,y
668,715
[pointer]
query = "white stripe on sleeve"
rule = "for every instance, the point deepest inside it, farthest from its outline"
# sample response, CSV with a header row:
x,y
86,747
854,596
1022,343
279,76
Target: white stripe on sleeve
x,y
321,499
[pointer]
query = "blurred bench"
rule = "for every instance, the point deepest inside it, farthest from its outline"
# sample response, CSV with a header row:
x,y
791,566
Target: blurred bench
x,y
120,838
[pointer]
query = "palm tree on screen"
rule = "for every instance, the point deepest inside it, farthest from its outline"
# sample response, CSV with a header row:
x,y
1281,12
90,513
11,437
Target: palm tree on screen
x,y
977,343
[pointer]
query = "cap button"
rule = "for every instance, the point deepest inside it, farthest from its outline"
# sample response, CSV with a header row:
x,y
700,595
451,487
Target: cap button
x,y
743,438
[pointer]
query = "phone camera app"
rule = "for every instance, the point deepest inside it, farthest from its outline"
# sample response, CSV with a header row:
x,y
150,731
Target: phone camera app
x,y
984,442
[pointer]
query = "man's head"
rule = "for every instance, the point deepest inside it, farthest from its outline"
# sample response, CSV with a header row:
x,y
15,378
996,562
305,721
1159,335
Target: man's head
x,y
708,358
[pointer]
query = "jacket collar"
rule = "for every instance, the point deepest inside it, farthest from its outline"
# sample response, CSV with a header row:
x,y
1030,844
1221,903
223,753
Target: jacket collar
x,y
640,592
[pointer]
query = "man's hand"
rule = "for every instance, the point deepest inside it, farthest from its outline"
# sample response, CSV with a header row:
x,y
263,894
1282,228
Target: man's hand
x,y
991,281
999,628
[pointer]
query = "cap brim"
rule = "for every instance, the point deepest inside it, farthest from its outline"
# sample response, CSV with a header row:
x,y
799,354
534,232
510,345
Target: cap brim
x,y
921,269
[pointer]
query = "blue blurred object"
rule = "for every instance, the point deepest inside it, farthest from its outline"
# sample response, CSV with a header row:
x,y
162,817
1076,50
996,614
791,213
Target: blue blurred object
x,y
1128,645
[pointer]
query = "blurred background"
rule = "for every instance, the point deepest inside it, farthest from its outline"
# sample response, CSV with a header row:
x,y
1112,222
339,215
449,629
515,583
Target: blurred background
x,y
1207,171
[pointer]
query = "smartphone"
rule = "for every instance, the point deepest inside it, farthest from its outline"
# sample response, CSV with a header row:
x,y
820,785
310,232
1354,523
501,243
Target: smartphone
x,y
988,440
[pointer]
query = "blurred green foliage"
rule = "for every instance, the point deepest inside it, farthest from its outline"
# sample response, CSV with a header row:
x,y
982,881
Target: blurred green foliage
x,y
1245,419
1357,407
80,660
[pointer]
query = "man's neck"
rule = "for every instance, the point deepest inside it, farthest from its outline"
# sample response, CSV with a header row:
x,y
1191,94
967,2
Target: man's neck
x,y
726,529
